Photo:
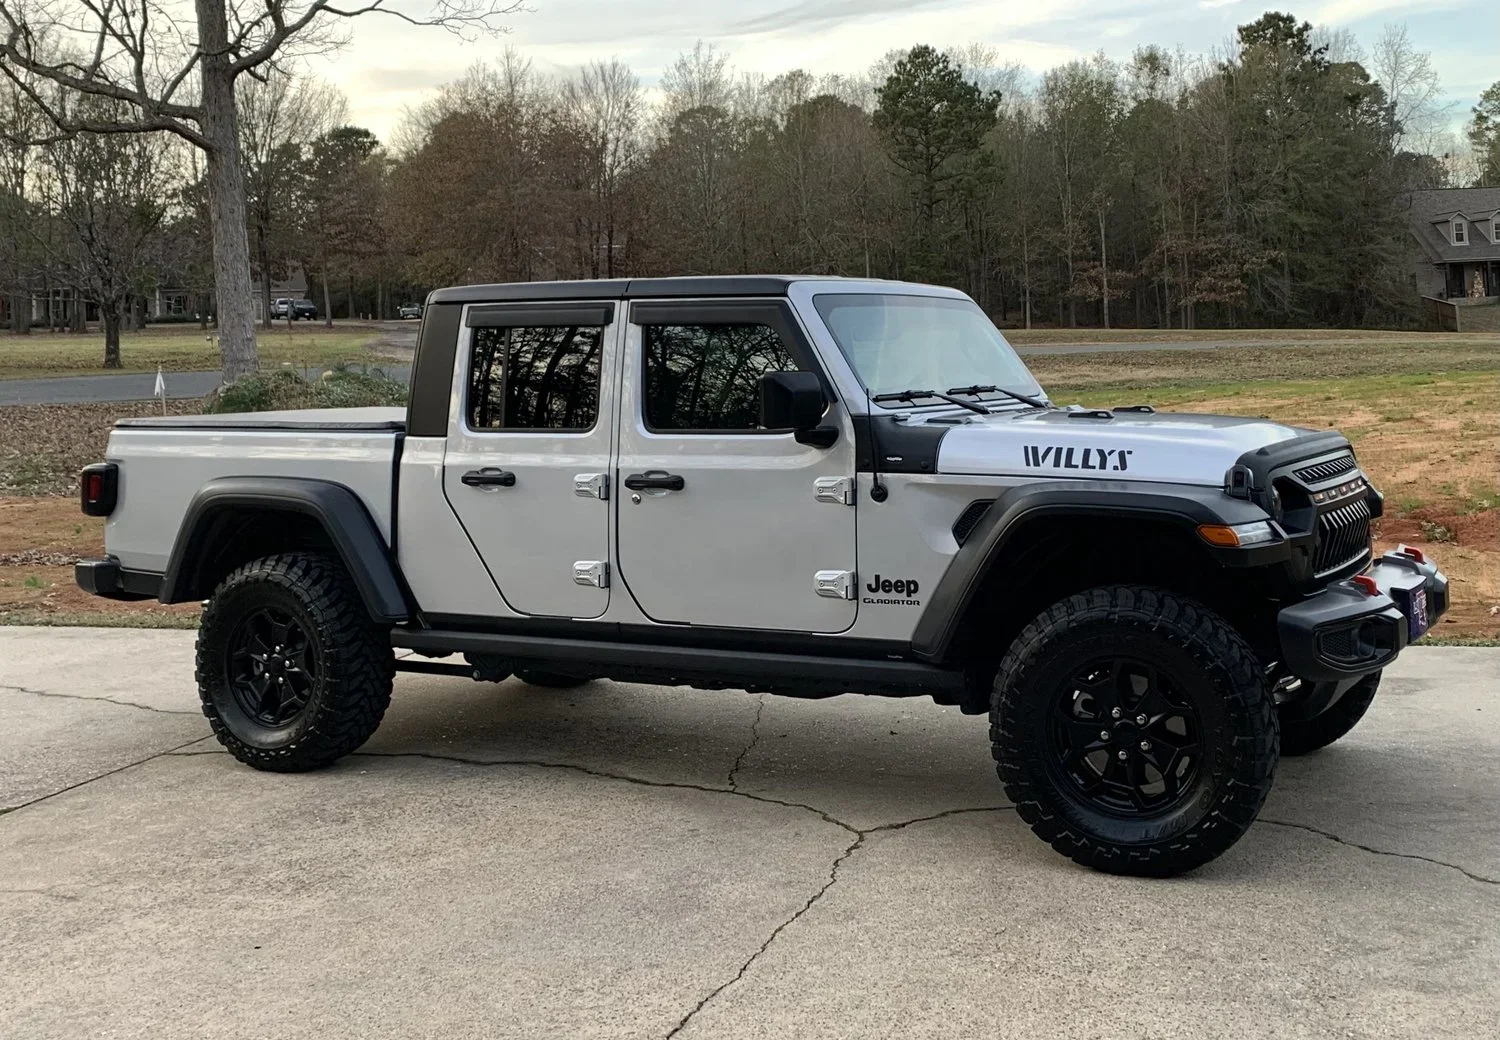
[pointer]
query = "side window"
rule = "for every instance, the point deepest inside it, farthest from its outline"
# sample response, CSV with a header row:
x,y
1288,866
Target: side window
x,y
707,377
534,378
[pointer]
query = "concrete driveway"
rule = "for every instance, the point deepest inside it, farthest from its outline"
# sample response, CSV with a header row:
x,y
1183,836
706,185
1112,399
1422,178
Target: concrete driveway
x,y
618,861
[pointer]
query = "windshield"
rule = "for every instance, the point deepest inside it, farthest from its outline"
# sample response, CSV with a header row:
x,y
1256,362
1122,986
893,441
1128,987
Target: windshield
x,y
897,343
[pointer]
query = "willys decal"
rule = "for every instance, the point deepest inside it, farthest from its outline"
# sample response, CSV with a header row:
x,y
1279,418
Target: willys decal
x,y
1055,457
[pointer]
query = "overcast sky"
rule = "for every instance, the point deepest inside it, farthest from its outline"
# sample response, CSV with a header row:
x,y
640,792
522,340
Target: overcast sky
x,y
389,65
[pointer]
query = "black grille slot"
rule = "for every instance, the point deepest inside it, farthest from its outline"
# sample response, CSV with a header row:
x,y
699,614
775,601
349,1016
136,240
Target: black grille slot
x,y
1340,644
1343,536
1326,470
969,519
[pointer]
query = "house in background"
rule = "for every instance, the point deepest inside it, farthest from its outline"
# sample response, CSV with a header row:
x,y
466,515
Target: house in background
x,y
290,281
1457,267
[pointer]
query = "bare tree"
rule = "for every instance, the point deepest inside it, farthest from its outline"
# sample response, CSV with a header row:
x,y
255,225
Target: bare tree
x,y
105,196
280,115
150,55
605,103
1412,86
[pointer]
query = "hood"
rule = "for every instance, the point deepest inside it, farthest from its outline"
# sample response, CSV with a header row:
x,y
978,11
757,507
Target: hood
x,y
1179,448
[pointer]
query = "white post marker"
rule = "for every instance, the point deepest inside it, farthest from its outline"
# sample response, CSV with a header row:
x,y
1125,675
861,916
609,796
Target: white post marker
x,y
160,390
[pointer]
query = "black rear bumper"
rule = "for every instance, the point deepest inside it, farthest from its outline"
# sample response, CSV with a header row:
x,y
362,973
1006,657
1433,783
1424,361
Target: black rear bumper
x,y
108,579
1346,631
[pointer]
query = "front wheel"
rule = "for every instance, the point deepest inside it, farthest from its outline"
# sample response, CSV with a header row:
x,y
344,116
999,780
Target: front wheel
x,y
1303,736
1134,730
292,672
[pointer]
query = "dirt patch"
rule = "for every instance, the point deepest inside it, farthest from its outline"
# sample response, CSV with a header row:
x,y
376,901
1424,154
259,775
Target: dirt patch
x,y
40,540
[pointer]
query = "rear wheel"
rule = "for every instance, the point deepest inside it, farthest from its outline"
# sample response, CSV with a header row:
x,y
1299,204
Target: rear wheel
x,y
292,672
1303,736
1134,730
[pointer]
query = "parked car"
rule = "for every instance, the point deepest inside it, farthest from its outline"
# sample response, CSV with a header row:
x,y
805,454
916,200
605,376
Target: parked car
x,y
409,310
293,310
792,485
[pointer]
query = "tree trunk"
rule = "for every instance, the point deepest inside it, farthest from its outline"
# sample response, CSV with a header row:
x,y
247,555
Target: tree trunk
x,y
201,302
20,314
263,256
1103,270
111,313
226,196
327,301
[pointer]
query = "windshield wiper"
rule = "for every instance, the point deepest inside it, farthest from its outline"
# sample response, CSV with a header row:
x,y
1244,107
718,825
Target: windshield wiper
x,y
976,390
908,396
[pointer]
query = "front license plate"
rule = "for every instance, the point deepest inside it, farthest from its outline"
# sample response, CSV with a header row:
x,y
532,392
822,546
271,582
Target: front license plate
x,y
1416,613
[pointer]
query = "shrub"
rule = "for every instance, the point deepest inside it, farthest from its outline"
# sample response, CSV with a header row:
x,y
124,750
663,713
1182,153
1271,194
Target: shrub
x,y
341,387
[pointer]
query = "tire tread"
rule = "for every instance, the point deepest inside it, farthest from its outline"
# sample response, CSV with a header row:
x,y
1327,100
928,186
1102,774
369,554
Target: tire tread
x,y
1218,647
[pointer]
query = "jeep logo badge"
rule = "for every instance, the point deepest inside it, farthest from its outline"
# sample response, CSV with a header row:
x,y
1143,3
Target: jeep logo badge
x,y
891,588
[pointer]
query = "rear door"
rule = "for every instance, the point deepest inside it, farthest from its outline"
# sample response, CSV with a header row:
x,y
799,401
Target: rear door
x,y
720,522
528,459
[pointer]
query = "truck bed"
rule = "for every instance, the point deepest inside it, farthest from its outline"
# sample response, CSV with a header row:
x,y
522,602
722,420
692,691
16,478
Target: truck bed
x,y
170,458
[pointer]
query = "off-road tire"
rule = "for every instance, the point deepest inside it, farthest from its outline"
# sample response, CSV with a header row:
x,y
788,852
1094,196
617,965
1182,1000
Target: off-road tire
x,y
356,666
550,680
1303,736
1209,664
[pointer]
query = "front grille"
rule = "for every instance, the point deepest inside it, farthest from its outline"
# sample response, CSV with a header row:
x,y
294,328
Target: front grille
x,y
969,519
1343,536
1326,470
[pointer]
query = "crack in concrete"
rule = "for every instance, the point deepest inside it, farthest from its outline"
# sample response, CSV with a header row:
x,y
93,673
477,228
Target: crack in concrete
x,y
1481,878
833,877
44,892
111,772
859,834
760,707
103,700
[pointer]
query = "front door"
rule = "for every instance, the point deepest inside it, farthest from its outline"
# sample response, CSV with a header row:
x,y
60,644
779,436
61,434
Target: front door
x,y
528,459
722,523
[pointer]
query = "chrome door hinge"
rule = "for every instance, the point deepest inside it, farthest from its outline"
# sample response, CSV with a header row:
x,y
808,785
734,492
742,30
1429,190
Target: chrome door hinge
x,y
591,485
591,572
838,490
834,584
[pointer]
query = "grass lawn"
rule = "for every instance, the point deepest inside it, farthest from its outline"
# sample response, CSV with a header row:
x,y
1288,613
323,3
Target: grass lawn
x,y
181,348
1044,337
1424,415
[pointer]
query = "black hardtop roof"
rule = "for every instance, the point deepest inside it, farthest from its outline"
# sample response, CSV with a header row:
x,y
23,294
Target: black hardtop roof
x,y
624,288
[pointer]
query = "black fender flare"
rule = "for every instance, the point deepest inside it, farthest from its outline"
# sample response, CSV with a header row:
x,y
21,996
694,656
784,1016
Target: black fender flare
x,y
337,509
1184,505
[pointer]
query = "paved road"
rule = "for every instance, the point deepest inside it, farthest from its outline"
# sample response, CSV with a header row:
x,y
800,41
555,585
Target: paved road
x,y
624,861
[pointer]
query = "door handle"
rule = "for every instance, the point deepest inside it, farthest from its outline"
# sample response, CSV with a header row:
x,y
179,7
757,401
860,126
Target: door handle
x,y
489,478
654,482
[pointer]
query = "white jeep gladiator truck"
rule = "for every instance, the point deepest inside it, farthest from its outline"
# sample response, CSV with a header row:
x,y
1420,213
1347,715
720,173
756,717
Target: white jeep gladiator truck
x,y
804,486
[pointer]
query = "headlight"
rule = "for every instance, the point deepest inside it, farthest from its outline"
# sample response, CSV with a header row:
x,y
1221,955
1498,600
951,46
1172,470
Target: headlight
x,y
1239,536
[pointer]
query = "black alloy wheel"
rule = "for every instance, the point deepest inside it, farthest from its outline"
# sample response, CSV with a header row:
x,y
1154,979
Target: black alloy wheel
x,y
272,667
1125,737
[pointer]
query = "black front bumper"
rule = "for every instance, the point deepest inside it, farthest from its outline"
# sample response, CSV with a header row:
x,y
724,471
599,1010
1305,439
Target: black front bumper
x,y
1347,631
108,579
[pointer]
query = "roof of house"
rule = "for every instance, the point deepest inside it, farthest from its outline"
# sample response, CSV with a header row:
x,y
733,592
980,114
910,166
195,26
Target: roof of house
x,y
1434,209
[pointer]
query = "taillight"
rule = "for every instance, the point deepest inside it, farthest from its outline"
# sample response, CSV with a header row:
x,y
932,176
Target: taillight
x,y
98,486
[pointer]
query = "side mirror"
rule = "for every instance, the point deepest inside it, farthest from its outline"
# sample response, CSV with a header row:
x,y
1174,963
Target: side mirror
x,y
791,401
